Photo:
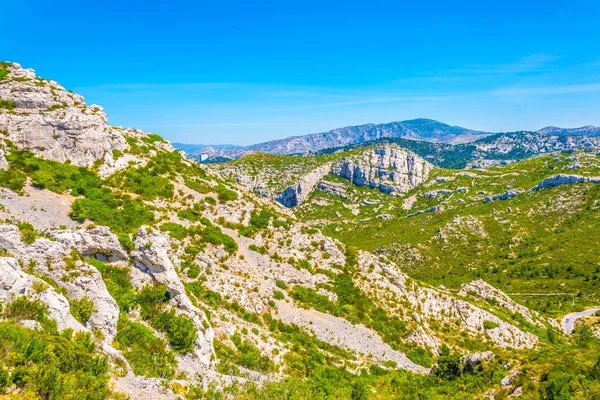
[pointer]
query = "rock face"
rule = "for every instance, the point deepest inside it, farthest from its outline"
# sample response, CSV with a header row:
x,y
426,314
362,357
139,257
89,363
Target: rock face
x,y
299,192
14,283
387,168
504,196
564,179
333,188
54,123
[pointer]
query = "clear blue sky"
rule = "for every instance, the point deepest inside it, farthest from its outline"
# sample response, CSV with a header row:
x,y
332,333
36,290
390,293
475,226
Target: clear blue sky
x,y
238,72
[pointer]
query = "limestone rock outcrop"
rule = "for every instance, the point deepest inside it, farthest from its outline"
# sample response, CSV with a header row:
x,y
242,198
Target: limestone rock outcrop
x,y
388,168
54,123
14,283
564,179
297,193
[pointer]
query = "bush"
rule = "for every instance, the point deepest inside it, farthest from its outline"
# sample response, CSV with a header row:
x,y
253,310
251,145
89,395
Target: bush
x,y
147,354
118,283
490,324
225,194
420,356
449,367
261,220
248,356
28,232
120,215
82,309
22,308
179,329
7,104
52,365
175,230
152,138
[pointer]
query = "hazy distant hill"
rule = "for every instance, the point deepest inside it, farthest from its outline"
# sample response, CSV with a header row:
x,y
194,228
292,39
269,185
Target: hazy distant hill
x,y
416,129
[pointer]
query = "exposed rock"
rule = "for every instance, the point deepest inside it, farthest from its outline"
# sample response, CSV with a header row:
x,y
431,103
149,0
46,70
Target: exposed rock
x,y
336,189
508,379
53,123
473,361
435,193
563,179
510,193
14,283
298,192
518,392
388,168
3,162
99,242
31,324
437,208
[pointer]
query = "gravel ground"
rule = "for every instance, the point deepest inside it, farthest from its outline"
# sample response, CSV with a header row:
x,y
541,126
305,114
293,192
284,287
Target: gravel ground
x,y
340,332
43,208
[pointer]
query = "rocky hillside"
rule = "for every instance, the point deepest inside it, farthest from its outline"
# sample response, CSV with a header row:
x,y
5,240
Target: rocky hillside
x,y
129,271
291,179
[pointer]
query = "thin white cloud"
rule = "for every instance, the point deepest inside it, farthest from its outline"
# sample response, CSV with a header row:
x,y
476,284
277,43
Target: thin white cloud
x,y
548,90
531,63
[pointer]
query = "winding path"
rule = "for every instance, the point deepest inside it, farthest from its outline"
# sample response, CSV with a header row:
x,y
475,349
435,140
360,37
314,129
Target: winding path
x,y
568,321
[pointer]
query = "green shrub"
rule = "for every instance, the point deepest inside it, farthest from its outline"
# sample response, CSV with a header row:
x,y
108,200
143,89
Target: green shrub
x,y
118,283
7,104
193,271
82,309
449,367
280,284
152,138
28,232
147,354
225,194
490,324
125,241
179,329
22,308
120,215
191,214
248,356
420,356
277,295
261,220
175,230
52,365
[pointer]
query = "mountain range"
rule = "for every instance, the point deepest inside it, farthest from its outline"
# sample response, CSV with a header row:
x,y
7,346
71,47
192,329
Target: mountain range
x,y
425,130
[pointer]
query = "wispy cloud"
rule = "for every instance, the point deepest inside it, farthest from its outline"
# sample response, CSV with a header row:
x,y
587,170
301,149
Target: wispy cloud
x,y
531,63
366,101
547,90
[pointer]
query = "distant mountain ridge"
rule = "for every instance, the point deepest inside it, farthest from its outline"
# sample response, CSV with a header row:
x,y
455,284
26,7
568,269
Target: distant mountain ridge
x,y
417,129
588,130
438,134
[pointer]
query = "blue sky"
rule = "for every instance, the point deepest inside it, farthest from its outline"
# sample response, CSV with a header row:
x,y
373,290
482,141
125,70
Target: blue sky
x,y
237,72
